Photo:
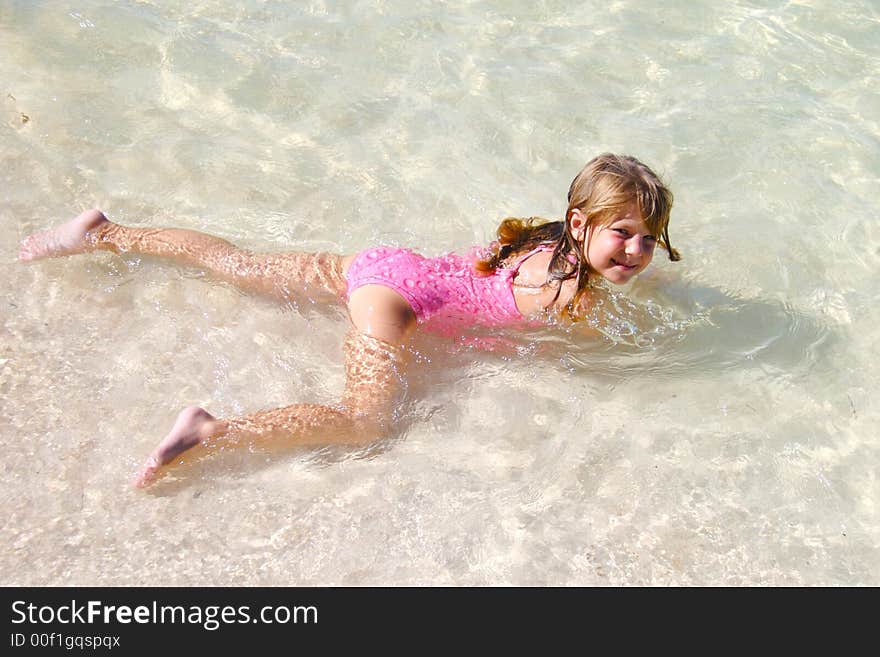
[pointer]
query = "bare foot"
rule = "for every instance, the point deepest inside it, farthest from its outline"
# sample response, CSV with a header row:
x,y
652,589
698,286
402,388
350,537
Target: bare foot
x,y
75,236
191,428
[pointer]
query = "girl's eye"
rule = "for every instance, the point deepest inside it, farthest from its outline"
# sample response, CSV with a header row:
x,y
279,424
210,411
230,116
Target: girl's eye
x,y
650,238
622,231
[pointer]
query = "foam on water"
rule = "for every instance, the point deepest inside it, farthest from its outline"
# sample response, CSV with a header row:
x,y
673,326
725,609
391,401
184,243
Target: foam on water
x,y
713,424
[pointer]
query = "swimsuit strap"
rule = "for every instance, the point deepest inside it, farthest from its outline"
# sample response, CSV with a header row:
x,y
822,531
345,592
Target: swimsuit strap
x,y
522,259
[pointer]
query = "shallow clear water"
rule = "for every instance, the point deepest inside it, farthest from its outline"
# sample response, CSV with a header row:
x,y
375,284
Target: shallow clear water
x,y
721,431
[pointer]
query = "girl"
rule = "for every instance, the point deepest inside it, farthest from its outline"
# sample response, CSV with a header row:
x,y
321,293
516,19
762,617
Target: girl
x,y
618,211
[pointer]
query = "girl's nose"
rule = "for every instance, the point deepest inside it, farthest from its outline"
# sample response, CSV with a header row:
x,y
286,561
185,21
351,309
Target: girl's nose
x,y
634,245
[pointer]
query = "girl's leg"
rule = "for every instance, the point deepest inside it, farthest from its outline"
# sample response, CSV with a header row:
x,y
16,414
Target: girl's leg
x,y
375,372
284,275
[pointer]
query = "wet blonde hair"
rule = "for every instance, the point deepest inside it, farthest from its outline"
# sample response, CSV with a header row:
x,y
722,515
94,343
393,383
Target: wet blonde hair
x,y
602,190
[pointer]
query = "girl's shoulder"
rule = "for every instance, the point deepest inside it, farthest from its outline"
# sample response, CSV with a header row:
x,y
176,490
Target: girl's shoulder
x,y
530,267
534,292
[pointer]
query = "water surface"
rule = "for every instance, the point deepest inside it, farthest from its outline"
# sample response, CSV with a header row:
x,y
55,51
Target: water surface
x,y
719,429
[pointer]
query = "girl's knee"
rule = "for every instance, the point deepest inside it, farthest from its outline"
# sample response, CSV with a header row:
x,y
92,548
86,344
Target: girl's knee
x,y
368,426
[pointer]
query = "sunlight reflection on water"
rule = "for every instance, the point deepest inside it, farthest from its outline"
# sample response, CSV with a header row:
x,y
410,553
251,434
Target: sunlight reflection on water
x,y
717,430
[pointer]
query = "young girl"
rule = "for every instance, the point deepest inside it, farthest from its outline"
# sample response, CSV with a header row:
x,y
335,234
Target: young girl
x,y
618,210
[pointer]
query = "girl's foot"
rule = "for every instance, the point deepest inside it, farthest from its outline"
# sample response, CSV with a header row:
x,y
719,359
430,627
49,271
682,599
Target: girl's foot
x,y
75,236
191,428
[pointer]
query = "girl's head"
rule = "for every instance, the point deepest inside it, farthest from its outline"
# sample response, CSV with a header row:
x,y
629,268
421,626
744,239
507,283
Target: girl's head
x,y
618,209
610,185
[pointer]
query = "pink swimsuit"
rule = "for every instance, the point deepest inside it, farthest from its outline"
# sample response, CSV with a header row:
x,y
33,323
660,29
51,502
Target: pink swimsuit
x,y
444,292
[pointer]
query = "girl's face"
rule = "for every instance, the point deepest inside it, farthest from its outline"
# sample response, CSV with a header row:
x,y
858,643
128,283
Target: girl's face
x,y
619,250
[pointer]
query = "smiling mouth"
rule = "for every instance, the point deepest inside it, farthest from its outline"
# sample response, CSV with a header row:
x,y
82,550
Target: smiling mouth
x,y
620,264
